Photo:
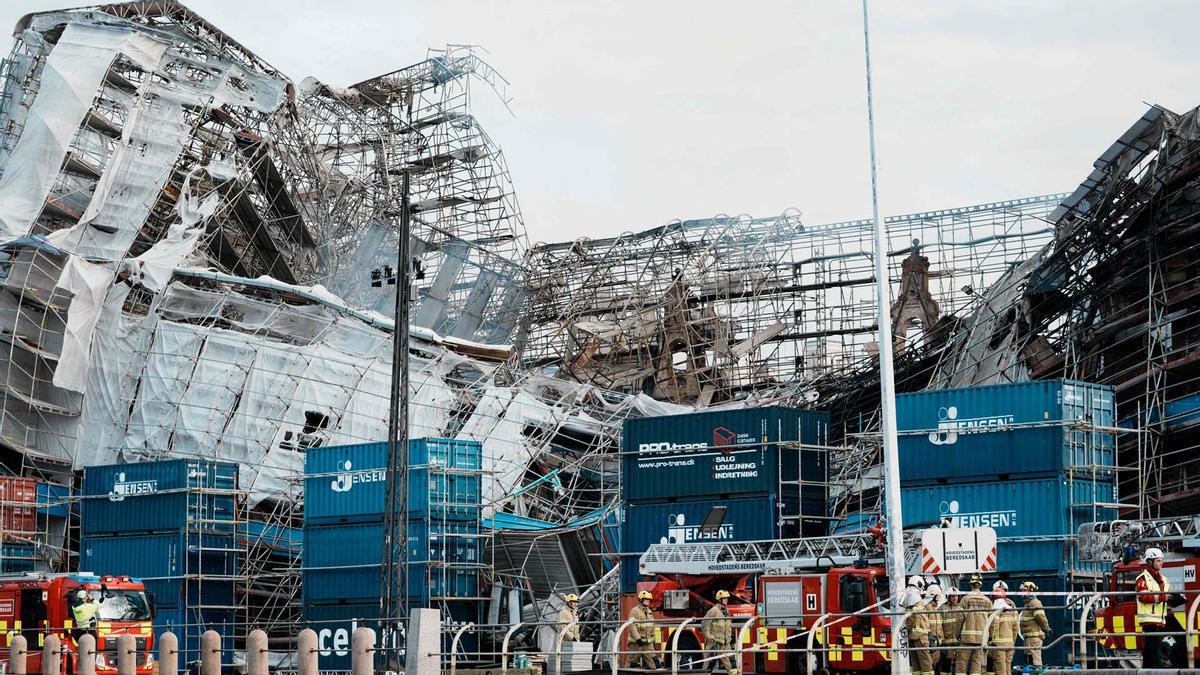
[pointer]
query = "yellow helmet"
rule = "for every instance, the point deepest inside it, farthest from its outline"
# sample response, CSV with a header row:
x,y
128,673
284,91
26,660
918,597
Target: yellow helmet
x,y
976,580
644,595
82,594
1028,586
571,597
722,594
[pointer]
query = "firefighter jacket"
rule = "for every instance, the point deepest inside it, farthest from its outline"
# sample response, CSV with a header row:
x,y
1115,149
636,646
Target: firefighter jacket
x,y
976,609
1033,619
1152,598
717,626
935,618
952,622
85,614
642,628
567,617
1004,627
918,624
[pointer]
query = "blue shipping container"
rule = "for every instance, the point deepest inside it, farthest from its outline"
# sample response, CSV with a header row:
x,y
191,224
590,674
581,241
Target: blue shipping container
x,y
164,562
159,496
723,453
342,562
189,624
978,432
1016,508
745,519
346,483
54,499
17,558
335,625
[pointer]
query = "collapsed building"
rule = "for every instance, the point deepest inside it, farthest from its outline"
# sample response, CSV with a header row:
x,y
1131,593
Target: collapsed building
x,y
190,236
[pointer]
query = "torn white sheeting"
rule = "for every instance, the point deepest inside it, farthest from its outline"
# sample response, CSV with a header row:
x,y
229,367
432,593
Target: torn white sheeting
x,y
89,283
70,81
133,178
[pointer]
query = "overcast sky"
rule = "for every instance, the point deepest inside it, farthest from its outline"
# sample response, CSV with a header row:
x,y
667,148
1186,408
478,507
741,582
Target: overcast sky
x,y
629,113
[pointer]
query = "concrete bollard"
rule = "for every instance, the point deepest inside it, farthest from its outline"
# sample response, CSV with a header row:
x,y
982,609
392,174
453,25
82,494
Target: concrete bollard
x,y
210,653
52,656
256,653
87,654
424,637
362,652
306,648
17,654
168,654
126,655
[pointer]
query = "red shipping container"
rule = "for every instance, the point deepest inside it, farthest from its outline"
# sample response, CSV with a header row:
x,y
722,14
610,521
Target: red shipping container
x,y
18,523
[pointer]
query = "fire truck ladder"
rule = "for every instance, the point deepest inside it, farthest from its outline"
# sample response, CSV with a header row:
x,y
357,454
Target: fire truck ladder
x,y
1106,541
775,555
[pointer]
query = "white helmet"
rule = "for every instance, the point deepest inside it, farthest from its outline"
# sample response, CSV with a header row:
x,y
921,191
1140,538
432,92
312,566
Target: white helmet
x,y
917,581
933,589
999,585
1153,554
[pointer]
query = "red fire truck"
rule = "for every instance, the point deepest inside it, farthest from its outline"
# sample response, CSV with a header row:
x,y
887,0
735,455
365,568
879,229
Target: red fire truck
x,y
789,584
36,605
1125,541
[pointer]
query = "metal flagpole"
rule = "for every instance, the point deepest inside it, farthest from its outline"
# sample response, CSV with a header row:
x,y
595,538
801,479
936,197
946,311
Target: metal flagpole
x,y
891,459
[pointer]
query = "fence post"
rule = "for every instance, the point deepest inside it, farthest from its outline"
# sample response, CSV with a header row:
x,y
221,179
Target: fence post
x,y
256,653
17,653
362,651
453,648
306,652
210,653
168,654
424,637
675,645
52,656
741,638
616,645
87,654
504,648
812,632
1083,631
557,653
126,655
1191,630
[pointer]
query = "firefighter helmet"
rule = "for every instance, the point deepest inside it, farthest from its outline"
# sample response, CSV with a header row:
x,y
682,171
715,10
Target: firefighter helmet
x,y
722,594
82,595
571,597
976,580
917,581
644,595
1028,586
1153,554
954,592
1000,585
933,589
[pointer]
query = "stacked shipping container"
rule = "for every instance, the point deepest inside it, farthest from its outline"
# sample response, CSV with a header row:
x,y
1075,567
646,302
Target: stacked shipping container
x,y
171,524
345,497
1032,460
744,466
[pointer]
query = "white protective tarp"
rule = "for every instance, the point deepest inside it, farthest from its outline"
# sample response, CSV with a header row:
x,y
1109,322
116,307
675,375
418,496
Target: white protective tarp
x,y
69,83
89,283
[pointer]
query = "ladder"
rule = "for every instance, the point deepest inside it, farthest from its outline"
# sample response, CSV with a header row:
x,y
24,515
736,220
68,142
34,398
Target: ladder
x,y
781,556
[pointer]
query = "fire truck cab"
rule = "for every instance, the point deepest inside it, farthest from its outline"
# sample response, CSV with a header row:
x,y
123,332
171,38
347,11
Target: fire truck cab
x,y
791,605
1120,615
35,605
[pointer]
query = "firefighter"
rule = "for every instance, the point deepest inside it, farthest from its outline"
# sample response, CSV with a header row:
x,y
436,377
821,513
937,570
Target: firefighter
x,y
1153,594
83,612
952,620
1003,634
1034,625
920,632
718,633
641,634
568,619
975,609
